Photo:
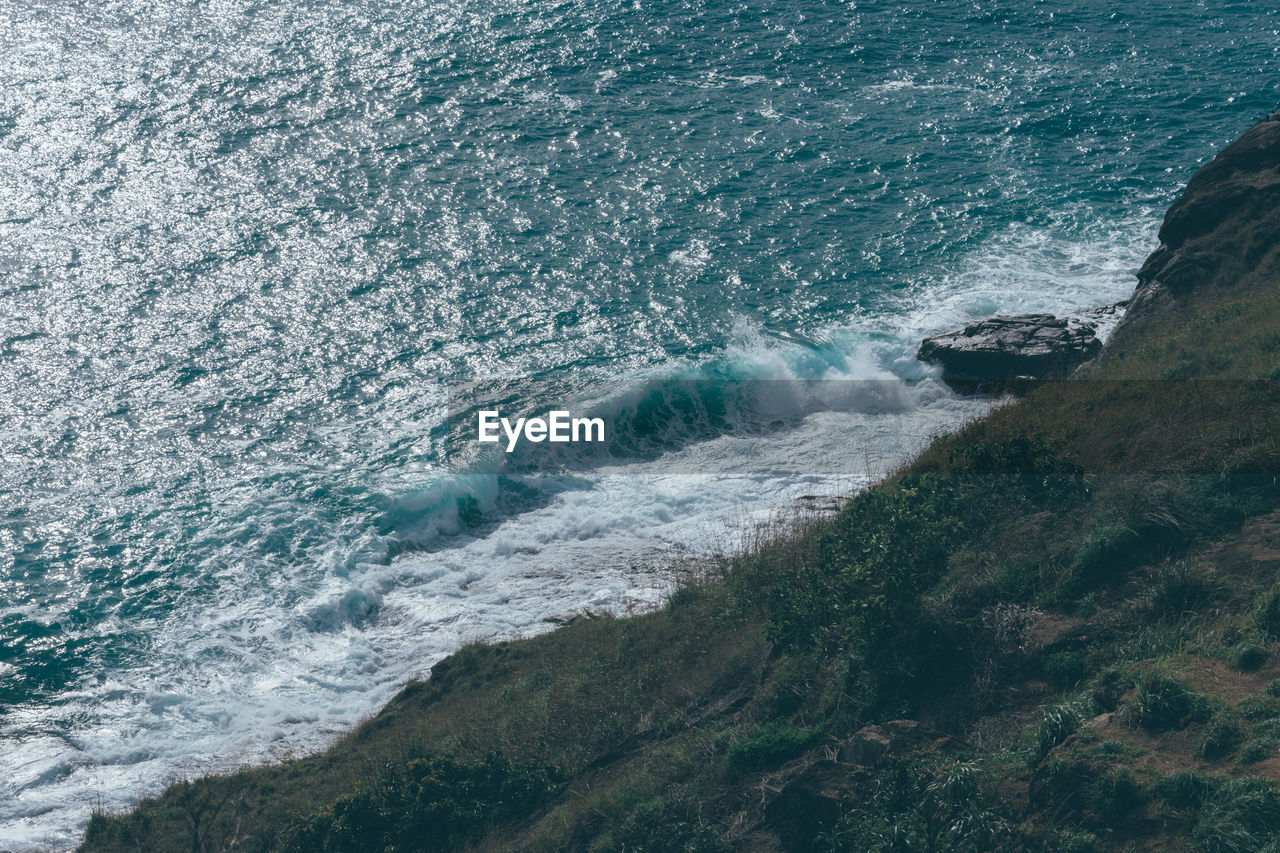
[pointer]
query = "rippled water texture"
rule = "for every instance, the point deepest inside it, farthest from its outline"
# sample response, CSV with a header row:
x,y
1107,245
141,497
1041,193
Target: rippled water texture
x,y
243,245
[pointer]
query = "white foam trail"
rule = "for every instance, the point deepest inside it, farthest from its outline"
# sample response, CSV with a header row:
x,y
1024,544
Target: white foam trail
x,y
1035,269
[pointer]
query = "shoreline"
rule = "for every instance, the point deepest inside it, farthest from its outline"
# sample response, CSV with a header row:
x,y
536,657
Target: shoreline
x,y
1009,519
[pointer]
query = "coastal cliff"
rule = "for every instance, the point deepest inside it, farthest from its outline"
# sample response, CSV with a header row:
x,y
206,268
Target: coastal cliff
x,y
1223,228
1223,231
1058,629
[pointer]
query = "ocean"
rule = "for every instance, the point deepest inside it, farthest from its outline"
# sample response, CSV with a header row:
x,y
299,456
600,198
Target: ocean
x,y
251,250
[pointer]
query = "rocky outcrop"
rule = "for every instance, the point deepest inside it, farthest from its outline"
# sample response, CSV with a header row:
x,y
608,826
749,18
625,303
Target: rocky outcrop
x,y
1026,347
1225,222
1244,178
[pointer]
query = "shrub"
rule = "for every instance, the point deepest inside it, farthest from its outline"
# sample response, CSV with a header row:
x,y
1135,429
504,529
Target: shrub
x,y
1108,687
1239,816
1019,455
1063,667
1184,791
960,786
1114,794
1266,613
1258,749
903,809
1160,702
1177,589
656,824
1248,656
1060,722
1116,750
768,746
1222,734
1273,687
856,584
1103,553
1259,708
861,586
435,802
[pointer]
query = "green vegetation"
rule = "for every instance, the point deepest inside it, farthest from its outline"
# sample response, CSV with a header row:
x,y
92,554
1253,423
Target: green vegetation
x,y
1266,613
1054,630
1161,702
911,808
768,746
1222,734
1060,722
433,802
1249,655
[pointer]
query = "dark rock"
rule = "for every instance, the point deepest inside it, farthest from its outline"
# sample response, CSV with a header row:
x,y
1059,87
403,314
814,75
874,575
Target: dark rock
x,y
1004,350
1245,175
866,747
870,744
1226,220
586,614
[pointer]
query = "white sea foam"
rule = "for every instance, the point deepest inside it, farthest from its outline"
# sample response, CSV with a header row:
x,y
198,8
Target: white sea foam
x,y
1027,269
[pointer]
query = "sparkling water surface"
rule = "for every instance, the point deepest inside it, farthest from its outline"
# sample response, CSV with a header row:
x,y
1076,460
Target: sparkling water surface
x,y
244,245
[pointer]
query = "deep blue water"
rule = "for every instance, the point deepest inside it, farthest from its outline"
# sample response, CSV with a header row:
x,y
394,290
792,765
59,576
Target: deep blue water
x,y
244,245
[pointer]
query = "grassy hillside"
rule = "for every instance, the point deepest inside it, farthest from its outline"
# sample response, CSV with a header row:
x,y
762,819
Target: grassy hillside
x,y
1058,629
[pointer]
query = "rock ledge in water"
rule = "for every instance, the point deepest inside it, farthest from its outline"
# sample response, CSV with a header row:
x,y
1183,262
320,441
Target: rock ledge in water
x,y
1015,349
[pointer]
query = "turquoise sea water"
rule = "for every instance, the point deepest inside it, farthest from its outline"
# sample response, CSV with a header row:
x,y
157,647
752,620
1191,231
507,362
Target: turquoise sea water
x,y
244,245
